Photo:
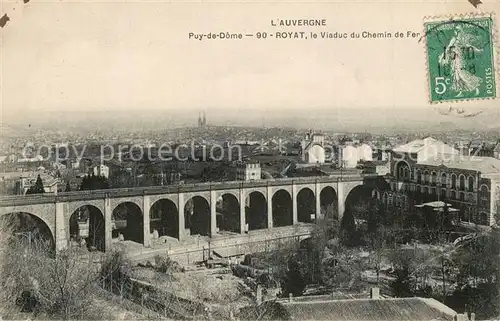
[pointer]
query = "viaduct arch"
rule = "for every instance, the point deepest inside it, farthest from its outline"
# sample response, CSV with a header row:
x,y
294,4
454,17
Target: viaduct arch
x,y
241,209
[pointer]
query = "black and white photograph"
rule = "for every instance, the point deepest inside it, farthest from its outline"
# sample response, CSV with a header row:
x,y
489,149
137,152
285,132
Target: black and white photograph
x,y
250,160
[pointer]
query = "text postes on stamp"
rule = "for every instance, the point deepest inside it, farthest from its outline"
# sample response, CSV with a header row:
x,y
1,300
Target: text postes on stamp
x,y
460,56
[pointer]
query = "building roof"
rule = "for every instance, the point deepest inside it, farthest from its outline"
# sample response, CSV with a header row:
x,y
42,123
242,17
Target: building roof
x,y
419,145
47,180
438,206
376,162
263,149
434,204
397,309
476,144
487,145
484,165
311,144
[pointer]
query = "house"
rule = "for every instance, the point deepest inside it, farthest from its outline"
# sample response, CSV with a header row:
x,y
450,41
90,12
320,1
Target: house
x,y
101,170
351,155
291,149
396,309
496,151
37,158
50,183
381,153
12,158
75,164
248,171
462,147
365,152
379,167
367,309
422,149
313,148
436,171
480,148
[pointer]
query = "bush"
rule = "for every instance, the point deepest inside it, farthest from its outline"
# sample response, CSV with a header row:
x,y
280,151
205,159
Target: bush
x,y
294,282
63,286
114,270
166,265
401,287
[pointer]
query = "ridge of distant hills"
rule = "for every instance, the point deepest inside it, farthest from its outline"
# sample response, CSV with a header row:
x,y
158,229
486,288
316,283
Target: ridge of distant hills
x,y
340,120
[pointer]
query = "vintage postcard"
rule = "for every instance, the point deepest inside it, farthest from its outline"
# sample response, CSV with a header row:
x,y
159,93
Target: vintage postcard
x,y
250,160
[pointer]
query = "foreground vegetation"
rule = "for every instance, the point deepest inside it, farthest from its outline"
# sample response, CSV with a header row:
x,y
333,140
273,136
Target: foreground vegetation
x,y
404,253
36,284
407,253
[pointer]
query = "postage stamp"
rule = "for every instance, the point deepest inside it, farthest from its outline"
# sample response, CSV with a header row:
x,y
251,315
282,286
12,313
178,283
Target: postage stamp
x,y
460,58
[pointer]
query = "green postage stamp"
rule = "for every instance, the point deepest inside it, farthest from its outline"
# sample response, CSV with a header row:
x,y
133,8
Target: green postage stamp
x,y
460,59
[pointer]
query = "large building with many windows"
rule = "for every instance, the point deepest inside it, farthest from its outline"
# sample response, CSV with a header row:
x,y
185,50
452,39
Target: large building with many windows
x,y
437,171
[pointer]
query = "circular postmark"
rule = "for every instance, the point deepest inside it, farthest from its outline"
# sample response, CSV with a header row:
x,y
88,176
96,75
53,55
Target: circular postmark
x,y
478,29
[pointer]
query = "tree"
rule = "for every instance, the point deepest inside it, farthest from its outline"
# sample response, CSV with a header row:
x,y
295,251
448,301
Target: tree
x,y
496,213
295,281
476,260
347,223
403,262
377,247
348,228
114,272
374,219
62,286
382,213
401,286
343,268
445,218
122,178
37,188
92,182
478,274
376,260
313,251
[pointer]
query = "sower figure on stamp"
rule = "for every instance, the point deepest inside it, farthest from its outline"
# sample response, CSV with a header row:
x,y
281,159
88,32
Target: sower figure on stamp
x,y
454,55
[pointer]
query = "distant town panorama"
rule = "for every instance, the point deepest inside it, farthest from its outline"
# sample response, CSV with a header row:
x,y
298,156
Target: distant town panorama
x,y
251,224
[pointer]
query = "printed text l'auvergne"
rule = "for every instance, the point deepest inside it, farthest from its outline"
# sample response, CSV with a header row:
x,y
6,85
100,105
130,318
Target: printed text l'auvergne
x,y
298,23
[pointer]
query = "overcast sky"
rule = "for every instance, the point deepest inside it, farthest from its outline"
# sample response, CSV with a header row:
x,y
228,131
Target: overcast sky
x,y
104,55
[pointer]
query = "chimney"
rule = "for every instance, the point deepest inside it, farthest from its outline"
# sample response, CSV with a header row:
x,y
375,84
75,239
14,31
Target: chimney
x,y
461,317
375,293
258,295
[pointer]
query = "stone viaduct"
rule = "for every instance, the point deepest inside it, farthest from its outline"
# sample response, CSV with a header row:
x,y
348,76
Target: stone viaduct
x,y
56,210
